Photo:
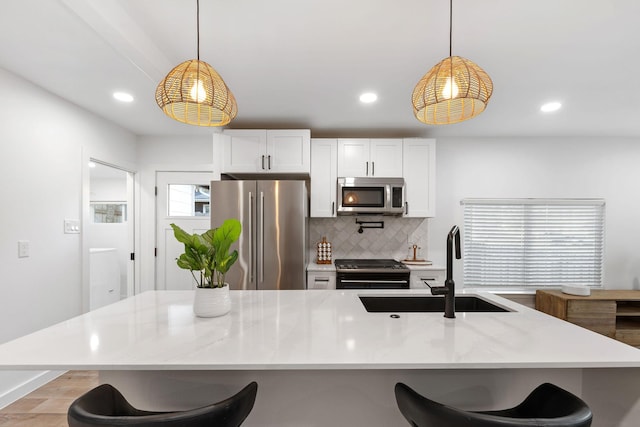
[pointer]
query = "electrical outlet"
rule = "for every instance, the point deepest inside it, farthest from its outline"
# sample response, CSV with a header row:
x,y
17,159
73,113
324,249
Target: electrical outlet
x,y
23,248
71,226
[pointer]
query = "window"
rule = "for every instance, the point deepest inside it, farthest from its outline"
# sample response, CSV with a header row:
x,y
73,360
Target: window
x,y
533,242
189,200
109,212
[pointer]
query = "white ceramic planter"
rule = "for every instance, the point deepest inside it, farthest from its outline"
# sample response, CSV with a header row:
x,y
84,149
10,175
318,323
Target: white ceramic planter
x,y
212,302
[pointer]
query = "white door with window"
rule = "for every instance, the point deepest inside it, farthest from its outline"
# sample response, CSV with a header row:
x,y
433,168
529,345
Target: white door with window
x,y
183,199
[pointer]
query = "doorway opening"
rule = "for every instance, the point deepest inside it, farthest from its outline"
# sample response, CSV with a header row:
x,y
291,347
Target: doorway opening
x,y
109,234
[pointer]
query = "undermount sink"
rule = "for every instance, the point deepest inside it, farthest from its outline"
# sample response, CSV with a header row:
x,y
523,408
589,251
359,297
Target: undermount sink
x,y
428,304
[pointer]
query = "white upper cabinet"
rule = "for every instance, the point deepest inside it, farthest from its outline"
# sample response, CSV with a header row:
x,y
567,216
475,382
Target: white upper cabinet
x,y
267,151
244,151
419,165
370,157
289,150
386,157
353,157
324,175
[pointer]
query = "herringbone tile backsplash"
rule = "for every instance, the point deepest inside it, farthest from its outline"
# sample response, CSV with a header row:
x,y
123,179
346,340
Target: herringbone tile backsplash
x,y
392,241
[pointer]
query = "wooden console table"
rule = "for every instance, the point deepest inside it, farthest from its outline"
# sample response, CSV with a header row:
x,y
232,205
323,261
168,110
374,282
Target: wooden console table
x,y
614,313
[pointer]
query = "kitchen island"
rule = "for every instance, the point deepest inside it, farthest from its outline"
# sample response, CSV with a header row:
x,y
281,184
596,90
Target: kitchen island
x,y
321,359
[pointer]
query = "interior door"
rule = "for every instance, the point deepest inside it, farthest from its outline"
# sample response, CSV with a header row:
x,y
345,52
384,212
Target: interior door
x,y
182,198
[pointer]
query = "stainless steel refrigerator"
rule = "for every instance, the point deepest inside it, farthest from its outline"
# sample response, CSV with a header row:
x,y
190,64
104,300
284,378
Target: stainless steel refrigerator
x,y
273,244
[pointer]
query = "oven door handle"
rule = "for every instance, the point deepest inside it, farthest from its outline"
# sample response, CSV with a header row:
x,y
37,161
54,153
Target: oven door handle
x,y
373,281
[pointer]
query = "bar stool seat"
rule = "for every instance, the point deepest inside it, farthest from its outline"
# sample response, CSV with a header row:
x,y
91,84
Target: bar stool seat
x,y
547,405
106,406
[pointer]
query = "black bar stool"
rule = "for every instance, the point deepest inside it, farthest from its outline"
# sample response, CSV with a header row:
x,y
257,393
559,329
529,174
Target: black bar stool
x,y
547,405
106,406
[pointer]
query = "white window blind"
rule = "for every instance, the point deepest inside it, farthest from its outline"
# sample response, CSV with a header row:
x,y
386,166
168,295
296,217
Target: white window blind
x,y
533,242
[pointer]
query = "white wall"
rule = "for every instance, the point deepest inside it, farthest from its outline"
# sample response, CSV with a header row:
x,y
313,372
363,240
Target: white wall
x,y
164,153
577,167
43,141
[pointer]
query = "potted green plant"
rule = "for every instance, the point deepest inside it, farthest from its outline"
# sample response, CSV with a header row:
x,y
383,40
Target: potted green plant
x,y
207,256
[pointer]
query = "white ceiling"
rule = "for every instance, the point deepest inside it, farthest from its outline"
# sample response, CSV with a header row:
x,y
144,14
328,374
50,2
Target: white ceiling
x,y
303,63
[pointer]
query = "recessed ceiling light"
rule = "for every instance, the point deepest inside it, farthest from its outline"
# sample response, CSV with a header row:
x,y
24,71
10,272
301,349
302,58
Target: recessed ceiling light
x,y
368,97
550,107
123,96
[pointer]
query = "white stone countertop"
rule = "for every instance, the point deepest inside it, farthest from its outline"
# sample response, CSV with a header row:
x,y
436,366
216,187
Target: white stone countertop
x,y
321,267
432,267
310,330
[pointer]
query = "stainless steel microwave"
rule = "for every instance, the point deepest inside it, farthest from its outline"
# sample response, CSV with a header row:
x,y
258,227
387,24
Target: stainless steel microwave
x,y
377,196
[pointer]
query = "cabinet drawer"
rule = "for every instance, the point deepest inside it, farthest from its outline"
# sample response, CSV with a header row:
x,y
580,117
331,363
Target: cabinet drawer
x,y
425,279
629,333
321,281
598,316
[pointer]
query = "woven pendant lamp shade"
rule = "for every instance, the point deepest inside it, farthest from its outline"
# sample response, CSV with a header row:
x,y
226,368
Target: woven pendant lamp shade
x,y
454,90
194,93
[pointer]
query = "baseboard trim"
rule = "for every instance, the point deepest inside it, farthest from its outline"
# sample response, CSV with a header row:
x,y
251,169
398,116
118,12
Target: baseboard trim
x,y
39,379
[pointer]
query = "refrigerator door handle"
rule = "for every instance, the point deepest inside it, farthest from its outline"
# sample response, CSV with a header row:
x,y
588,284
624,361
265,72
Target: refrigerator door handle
x,y
261,243
251,233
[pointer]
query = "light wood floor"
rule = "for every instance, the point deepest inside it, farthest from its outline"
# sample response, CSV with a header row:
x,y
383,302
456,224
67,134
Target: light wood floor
x,y
47,406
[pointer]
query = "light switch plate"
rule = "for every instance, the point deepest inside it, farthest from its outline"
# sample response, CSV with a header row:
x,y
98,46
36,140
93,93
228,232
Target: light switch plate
x,y
23,248
71,226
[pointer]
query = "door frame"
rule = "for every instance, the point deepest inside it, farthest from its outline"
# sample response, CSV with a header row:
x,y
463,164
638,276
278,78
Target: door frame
x,y
147,230
133,212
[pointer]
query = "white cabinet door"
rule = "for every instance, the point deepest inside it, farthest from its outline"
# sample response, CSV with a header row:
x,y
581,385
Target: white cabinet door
x,y
353,157
419,170
245,151
385,158
321,279
370,157
324,174
264,151
288,151
423,279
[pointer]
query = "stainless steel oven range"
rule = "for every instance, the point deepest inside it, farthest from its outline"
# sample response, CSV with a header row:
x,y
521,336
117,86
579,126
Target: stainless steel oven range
x,y
371,274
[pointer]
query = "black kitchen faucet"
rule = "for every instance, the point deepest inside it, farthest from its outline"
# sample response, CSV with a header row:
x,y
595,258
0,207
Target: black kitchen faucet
x,y
449,288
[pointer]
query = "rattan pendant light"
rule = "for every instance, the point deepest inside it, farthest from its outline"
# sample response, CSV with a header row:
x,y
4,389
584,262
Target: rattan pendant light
x,y
194,93
454,90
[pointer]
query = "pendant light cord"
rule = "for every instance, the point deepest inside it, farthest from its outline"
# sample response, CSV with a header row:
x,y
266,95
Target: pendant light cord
x,y
450,25
198,26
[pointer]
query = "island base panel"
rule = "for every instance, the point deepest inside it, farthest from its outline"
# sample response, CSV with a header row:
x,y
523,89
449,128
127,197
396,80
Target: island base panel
x,y
613,395
297,398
